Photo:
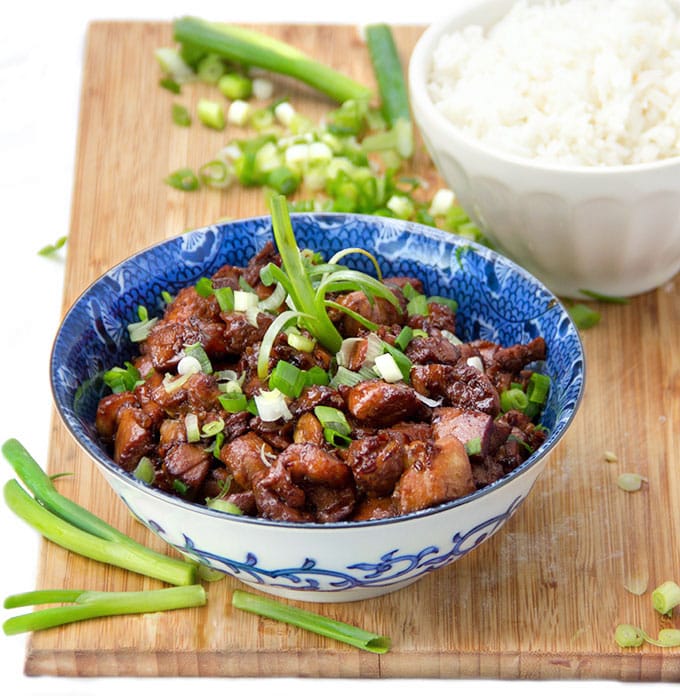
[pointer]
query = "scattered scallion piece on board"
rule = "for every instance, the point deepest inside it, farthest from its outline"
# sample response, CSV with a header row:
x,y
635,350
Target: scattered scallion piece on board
x,y
630,482
90,604
310,621
628,636
666,597
583,316
211,113
184,179
180,115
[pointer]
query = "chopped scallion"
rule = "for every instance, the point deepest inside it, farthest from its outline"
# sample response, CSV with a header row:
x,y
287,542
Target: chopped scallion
x,y
212,428
224,506
336,429
288,379
139,330
271,406
583,316
233,403
402,361
513,400
210,69
184,179
628,636
235,86
211,113
180,115
120,379
51,249
386,366
316,375
404,338
417,306
191,426
666,597
188,365
225,298
216,173
144,470
204,287
197,351
473,446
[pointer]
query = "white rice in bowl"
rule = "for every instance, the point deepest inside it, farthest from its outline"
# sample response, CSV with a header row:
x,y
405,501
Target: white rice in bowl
x,y
577,83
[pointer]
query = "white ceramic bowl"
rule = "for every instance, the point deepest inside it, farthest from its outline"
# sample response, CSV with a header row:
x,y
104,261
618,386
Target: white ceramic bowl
x,y
310,561
611,230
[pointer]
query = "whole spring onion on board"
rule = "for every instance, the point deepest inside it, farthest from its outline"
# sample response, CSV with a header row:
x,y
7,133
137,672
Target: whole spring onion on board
x,y
253,48
393,93
86,604
75,528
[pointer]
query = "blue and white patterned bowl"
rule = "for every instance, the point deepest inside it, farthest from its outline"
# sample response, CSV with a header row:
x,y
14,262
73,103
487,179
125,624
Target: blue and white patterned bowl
x,y
321,562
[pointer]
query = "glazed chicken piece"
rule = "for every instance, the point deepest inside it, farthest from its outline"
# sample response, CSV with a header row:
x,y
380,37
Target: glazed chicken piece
x,y
245,458
188,463
379,311
378,403
432,349
239,333
459,385
439,317
109,410
470,425
165,343
284,493
438,473
377,463
375,509
308,429
133,438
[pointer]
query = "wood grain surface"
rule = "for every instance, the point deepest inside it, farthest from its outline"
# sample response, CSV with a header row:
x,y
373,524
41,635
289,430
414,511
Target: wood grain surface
x,y
539,600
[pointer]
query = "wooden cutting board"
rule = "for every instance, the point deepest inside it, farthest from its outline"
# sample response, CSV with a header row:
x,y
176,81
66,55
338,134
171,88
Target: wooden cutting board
x,y
539,600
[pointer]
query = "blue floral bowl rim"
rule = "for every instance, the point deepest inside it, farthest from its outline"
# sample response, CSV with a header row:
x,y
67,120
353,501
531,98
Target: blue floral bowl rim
x,y
72,421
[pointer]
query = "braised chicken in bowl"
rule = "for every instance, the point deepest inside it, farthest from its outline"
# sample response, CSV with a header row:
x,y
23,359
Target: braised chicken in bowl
x,y
214,431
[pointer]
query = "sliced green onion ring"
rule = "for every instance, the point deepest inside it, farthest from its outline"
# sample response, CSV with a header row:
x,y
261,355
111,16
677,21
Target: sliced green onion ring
x,y
191,426
275,300
197,351
666,597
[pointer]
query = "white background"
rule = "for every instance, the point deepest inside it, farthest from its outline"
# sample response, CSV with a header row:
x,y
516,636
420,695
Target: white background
x,y
41,54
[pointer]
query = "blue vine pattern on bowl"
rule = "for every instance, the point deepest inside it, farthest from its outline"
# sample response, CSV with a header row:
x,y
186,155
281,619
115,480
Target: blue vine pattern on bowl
x,y
392,567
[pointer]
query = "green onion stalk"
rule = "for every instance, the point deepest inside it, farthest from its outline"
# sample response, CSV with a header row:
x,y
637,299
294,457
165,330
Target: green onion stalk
x,y
308,287
393,93
310,621
73,527
87,604
253,48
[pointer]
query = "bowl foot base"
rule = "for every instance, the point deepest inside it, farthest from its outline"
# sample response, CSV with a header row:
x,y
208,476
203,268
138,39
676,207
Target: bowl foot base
x,y
353,594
